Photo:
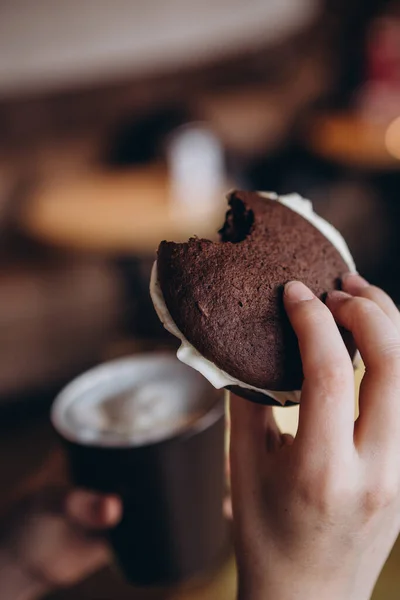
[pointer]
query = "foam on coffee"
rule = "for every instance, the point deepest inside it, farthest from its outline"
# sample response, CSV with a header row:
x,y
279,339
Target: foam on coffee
x,y
153,409
132,402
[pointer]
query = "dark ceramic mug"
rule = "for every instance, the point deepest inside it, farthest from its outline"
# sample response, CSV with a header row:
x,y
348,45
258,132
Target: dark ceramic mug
x,y
170,477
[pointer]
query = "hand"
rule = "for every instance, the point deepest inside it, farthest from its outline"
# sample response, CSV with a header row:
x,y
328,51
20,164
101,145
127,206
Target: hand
x,y
316,516
53,541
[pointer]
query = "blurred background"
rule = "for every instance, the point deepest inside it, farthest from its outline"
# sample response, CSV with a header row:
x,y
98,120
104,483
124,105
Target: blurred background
x,y
123,123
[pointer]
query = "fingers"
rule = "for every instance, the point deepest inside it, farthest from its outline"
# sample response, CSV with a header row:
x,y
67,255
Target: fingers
x,y
375,334
327,401
93,511
253,431
227,508
378,341
355,285
287,439
251,424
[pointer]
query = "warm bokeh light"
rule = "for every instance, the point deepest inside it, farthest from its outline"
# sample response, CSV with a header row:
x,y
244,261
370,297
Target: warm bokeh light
x,y
392,138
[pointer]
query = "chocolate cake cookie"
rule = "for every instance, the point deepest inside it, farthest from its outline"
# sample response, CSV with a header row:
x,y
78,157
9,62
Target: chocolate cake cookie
x,y
224,299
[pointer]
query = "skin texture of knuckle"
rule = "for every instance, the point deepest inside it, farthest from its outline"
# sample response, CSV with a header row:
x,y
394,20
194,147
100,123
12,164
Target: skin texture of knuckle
x,y
315,312
303,479
326,491
390,351
387,366
331,380
334,496
375,293
358,310
381,494
305,491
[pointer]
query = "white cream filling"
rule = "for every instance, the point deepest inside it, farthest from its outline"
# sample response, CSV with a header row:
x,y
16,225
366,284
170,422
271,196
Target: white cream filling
x,y
188,354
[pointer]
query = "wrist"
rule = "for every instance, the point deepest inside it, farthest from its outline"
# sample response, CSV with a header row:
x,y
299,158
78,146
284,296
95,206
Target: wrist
x,y
16,583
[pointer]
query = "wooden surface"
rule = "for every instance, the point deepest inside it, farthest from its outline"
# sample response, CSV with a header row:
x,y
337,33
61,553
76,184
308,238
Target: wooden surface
x,y
117,212
220,585
32,458
351,140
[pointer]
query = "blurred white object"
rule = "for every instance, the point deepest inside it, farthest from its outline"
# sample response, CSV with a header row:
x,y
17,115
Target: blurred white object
x,y
196,165
46,44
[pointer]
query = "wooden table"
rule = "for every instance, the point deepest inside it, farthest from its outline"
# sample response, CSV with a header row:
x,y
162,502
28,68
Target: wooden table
x,y
114,212
350,139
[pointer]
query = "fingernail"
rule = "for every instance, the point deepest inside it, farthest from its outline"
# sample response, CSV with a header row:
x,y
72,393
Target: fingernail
x,y
111,511
337,297
353,283
295,291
